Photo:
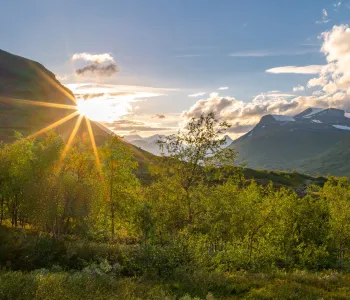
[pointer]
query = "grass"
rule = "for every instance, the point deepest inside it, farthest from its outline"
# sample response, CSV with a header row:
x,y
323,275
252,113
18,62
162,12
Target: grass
x,y
34,266
45,284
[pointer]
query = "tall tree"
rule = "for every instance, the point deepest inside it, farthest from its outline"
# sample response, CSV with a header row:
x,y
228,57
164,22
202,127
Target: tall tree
x,y
195,157
121,183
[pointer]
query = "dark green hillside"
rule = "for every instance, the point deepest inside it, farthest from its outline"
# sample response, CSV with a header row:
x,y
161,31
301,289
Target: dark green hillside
x,y
21,78
334,161
307,146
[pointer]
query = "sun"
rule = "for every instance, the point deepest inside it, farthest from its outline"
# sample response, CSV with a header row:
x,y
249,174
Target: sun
x,y
82,107
81,110
99,110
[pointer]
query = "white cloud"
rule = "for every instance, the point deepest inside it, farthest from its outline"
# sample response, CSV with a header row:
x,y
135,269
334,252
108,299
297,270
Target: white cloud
x,y
243,116
336,47
197,94
330,88
312,69
320,81
298,88
96,58
324,19
222,88
317,93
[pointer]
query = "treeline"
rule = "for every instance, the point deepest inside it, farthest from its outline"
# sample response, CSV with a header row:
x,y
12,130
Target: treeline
x,y
198,212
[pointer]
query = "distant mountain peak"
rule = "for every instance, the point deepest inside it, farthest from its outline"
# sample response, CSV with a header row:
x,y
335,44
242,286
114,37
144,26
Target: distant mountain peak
x,y
314,141
131,137
307,113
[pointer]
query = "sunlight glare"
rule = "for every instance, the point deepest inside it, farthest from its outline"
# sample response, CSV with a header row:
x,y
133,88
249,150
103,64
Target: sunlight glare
x,y
102,110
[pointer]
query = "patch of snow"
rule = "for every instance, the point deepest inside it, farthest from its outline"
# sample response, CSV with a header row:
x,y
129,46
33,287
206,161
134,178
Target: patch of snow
x,y
263,126
283,118
314,110
347,115
341,127
316,121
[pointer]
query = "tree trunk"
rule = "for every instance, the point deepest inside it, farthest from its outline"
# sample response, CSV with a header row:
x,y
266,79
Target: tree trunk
x,y
189,207
2,209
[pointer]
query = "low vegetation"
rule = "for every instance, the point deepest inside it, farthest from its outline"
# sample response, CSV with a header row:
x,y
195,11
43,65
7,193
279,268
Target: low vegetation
x,y
77,229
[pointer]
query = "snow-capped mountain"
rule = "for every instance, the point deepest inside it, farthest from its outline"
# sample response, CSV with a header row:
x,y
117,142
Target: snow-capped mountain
x,y
313,141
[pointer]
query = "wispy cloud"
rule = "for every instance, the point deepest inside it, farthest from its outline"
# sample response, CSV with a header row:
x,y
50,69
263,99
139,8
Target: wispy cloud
x,y
337,5
98,69
159,116
222,88
136,126
275,94
188,55
266,53
324,19
197,94
312,69
108,102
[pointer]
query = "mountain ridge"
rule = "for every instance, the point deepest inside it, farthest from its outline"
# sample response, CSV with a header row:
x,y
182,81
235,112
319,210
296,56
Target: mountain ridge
x,y
293,142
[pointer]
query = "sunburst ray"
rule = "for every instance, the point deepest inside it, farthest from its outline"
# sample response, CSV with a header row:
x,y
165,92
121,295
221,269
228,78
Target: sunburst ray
x,y
54,125
54,83
38,103
93,144
70,140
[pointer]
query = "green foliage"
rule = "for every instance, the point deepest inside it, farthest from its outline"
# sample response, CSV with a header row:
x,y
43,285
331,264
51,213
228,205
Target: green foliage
x,y
199,229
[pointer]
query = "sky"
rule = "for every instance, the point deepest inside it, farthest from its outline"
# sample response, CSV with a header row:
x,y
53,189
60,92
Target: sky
x,y
148,67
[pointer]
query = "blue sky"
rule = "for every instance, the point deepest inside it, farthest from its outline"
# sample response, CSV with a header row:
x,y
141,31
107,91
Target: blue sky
x,y
183,47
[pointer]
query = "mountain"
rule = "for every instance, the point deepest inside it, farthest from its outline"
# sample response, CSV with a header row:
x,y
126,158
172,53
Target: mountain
x,y
149,144
132,137
24,79
316,141
21,78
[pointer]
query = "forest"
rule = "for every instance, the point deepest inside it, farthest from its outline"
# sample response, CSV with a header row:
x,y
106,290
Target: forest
x,y
73,227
